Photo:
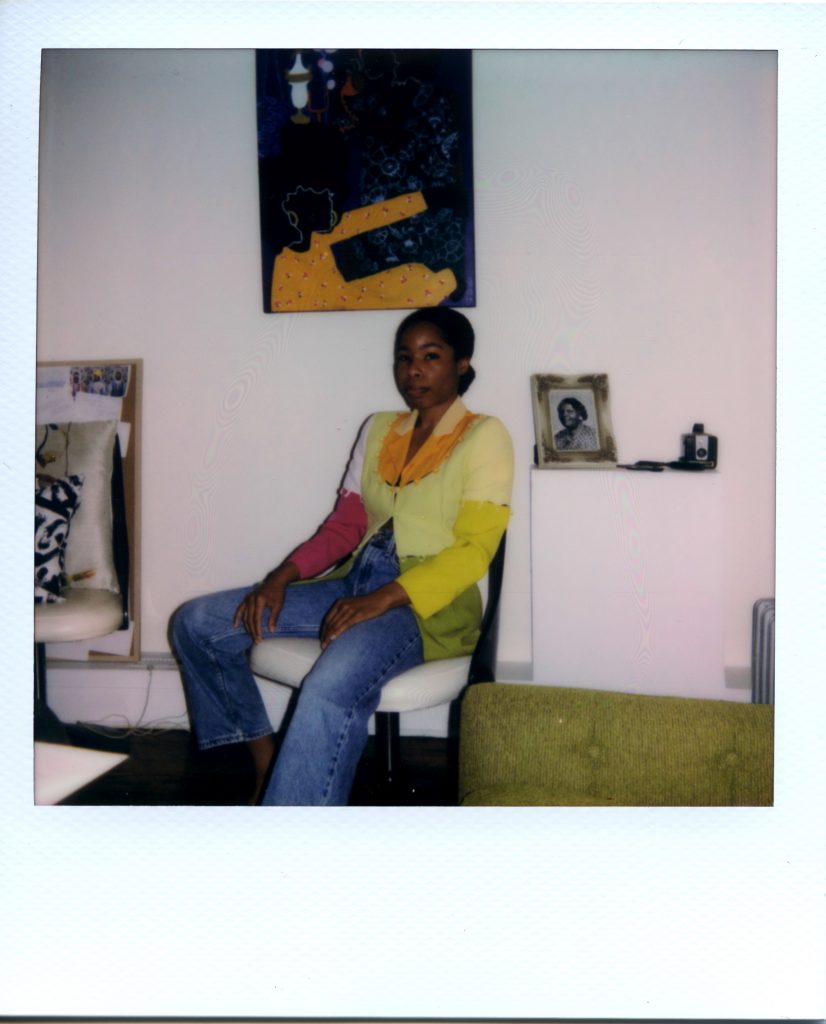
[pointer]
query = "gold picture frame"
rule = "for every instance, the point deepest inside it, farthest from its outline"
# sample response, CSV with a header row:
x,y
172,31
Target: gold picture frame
x,y
572,419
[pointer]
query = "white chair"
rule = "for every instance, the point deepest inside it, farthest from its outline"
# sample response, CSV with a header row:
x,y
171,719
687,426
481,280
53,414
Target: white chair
x,y
435,683
84,613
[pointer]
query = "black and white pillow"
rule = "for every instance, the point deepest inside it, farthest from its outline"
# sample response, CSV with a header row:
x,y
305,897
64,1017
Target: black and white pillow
x,y
55,503
84,449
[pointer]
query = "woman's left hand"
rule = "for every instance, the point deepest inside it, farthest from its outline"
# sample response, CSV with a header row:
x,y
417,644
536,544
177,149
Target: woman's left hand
x,y
348,611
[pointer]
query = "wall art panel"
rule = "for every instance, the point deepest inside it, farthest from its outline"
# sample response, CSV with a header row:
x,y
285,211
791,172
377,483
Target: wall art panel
x,y
366,179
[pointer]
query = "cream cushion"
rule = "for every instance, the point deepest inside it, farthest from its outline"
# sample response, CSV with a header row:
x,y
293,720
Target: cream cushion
x,y
82,615
427,685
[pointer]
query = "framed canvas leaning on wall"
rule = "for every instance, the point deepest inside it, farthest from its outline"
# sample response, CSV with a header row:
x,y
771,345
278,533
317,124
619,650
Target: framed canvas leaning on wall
x,y
80,405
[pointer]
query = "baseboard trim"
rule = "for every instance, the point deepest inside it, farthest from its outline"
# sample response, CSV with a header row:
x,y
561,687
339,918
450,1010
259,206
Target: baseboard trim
x,y
148,694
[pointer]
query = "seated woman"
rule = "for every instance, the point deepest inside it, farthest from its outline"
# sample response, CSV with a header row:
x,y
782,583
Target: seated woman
x,y
420,513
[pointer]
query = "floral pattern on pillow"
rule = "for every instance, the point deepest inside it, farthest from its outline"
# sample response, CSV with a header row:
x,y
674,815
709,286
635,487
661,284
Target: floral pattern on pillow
x,y
55,502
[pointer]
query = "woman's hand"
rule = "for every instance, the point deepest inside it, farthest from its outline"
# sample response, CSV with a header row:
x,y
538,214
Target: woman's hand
x,y
347,611
268,594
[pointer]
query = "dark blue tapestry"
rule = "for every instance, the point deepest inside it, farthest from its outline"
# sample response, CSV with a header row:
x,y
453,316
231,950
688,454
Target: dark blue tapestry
x,y
366,178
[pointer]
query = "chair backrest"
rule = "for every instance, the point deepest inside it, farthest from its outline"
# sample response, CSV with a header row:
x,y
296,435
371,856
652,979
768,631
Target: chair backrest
x,y
483,661
484,589
120,535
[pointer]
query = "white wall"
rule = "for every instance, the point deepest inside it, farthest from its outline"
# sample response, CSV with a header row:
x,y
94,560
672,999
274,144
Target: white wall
x,y
625,222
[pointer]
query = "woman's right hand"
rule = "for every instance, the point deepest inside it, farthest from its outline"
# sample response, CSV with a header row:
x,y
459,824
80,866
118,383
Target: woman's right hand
x,y
267,595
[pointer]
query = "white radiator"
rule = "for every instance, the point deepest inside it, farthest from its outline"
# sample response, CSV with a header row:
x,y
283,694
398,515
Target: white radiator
x,y
762,652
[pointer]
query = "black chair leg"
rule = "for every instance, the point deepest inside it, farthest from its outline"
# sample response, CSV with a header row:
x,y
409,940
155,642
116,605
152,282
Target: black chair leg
x,y
40,672
47,726
388,752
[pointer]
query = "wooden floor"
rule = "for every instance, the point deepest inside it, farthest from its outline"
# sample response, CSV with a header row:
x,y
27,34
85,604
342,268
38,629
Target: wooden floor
x,y
164,767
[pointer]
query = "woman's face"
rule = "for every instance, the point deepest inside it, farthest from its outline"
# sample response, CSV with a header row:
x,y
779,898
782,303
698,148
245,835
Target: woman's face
x,y
426,369
569,415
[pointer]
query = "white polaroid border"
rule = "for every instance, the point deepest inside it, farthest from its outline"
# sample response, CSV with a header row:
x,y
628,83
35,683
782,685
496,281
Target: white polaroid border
x,y
485,913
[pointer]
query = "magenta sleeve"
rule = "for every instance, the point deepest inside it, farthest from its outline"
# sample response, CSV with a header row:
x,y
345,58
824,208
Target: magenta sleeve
x,y
337,536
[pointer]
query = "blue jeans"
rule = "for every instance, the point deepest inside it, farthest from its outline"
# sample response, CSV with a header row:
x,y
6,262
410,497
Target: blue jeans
x,y
326,736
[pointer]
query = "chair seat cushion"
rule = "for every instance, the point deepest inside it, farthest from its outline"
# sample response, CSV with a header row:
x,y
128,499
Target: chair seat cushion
x,y
82,615
428,685
285,661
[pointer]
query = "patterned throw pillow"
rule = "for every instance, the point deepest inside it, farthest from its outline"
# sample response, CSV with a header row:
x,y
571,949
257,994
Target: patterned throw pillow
x,y
54,505
84,449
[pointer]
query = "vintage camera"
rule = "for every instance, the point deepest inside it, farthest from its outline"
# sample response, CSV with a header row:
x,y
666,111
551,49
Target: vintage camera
x,y
699,449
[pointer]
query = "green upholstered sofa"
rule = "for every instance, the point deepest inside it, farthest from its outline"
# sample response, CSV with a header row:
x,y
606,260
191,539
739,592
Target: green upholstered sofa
x,y
531,745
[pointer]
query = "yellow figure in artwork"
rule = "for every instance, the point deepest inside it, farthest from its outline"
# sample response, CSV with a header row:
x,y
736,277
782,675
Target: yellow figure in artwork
x,y
306,277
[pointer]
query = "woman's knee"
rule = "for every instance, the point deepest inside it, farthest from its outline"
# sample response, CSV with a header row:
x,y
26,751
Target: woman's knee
x,y
333,684
349,675
195,620
183,623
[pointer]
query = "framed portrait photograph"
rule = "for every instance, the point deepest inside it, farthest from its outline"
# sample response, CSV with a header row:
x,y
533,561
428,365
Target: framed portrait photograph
x,y
572,419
